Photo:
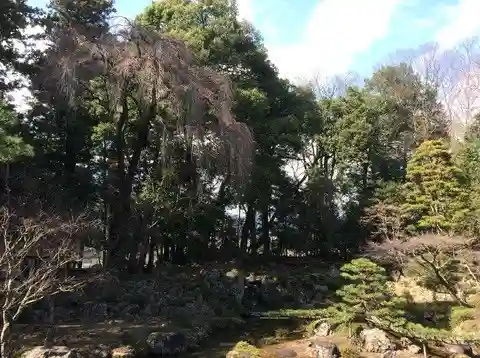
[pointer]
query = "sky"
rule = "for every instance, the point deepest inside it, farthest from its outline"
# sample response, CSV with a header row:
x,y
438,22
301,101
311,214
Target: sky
x,y
308,38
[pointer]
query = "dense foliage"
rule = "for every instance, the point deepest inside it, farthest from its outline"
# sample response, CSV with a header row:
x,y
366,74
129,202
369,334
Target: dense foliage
x,y
201,151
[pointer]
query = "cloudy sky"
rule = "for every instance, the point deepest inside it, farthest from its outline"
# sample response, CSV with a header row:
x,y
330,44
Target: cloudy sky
x,y
326,37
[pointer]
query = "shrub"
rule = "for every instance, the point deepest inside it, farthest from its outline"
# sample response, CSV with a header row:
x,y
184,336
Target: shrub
x,y
245,347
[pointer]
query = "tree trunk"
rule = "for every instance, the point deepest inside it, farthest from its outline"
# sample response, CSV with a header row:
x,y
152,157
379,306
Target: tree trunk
x,y
151,256
265,239
246,230
4,335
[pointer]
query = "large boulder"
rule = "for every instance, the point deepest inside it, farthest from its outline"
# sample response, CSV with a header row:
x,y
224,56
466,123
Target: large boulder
x,y
375,340
166,344
54,352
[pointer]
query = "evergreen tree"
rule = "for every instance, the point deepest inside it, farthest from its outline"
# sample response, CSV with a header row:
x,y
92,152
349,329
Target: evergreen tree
x,y
15,15
436,198
366,296
12,145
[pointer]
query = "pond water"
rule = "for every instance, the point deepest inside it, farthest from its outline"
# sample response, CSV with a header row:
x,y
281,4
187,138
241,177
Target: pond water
x,y
255,332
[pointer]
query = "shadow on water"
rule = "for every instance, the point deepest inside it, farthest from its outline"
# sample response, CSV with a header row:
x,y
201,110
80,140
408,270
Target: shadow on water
x,y
255,331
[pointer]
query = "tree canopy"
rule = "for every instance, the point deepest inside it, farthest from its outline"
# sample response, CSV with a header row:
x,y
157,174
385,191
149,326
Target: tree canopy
x,y
178,134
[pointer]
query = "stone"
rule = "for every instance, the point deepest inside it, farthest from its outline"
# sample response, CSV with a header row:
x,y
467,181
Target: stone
x,y
233,273
321,289
326,350
285,353
166,343
53,352
322,329
459,349
414,349
244,350
375,340
100,351
123,352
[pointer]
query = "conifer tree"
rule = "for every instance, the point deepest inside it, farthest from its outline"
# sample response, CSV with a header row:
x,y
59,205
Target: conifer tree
x,y
436,198
366,296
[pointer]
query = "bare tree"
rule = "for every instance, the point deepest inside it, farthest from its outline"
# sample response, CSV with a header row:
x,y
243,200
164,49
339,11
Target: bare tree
x,y
34,254
435,254
455,76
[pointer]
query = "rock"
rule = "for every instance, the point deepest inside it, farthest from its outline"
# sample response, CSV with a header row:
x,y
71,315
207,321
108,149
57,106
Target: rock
x,y
321,289
244,350
233,273
285,353
166,343
459,349
414,349
54,352
375,340
322,329
100,351
325,350
123,352
334,272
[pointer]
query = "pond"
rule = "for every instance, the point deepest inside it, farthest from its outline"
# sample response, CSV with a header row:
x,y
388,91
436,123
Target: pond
x,y
256,331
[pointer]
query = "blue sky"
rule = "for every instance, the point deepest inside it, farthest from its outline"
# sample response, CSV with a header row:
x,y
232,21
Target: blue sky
x,y
308,38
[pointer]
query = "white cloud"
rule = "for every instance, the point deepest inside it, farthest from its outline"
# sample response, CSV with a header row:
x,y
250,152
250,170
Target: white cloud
x,y
462,22
336,32
245,10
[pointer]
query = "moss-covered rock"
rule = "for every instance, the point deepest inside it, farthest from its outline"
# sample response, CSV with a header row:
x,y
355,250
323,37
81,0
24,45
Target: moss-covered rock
x,y
244,350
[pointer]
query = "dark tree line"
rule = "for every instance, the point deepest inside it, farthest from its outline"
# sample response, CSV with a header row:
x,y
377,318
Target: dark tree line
x,y
176,134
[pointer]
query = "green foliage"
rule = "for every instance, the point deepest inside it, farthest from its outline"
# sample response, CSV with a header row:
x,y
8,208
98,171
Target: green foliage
x,y
435,195
154,187
12,145
461,314
366,296
247,348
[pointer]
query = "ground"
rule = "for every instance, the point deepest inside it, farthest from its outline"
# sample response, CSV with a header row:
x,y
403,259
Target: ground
x,y
301,347
111,334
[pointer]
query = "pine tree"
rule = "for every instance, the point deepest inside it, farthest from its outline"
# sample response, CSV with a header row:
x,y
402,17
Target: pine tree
x,y
91,17
366,297
436,198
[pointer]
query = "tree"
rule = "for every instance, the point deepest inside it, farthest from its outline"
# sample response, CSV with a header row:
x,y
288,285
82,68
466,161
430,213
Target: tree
x,y
12,145
435,196
15,15
51,243
383,215
444,260
141,87
273,108
416,113
366,297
